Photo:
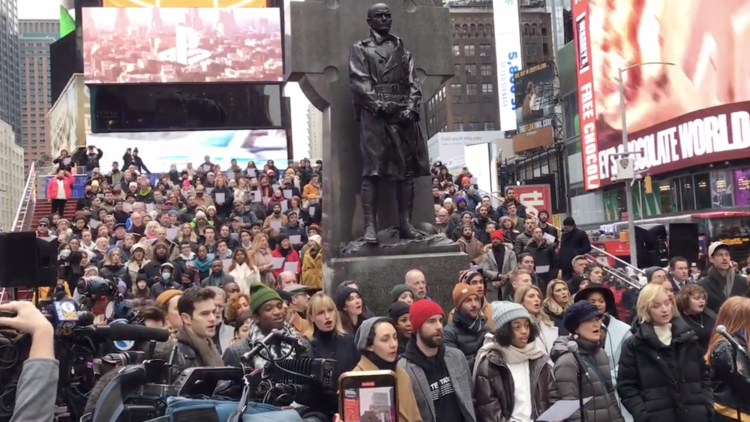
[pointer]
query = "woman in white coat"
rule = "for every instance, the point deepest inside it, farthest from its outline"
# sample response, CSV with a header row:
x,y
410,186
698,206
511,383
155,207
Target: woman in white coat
x,y
530,297
243,270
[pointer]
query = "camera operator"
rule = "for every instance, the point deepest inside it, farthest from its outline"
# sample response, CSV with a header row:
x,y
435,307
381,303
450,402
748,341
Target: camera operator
x,y
35,400
268,313
195,339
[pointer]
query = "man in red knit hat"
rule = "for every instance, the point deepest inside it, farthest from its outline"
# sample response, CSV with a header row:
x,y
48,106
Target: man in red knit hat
x,y
498,262
435,368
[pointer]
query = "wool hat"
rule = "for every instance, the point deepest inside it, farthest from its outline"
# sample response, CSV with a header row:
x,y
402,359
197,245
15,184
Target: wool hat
x,y
260,294
397,309
650,271
360,337
465,276
315,227
569,222
317,239
578,313
166,295
44,220
506,312
399,289
343,294
461,292
422,310
498,234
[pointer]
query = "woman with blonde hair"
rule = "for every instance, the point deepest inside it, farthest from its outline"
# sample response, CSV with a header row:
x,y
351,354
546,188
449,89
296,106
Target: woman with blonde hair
x,y
111,268
236,305
326,334
242,270
530,296
261,255
556,302
662,375
731,381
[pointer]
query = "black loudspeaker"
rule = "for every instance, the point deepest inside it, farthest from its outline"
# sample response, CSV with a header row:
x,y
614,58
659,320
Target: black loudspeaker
x,y
659,236
651,246
27,261
683,241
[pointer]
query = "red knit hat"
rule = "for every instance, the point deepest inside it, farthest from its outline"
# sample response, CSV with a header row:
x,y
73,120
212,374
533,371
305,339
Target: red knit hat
x,y
422,310
498,234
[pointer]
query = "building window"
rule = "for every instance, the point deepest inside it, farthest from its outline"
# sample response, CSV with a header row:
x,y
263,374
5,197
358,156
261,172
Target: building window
x,y
471,89
530,49
456,89
485,50
545,49
458,126
456,69
486,70
473,126
489,125
456,50
471,70
469,50
544,31
702,191
486,88
526,29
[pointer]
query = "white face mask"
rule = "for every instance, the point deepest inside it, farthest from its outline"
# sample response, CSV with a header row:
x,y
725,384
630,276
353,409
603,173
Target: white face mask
x,y
64,253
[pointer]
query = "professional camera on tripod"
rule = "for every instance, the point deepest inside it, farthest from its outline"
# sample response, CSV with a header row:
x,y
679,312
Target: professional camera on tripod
x,y
146,391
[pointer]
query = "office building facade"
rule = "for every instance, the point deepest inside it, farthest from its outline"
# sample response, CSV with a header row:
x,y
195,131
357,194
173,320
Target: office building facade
x,y
10,107
11,175
36,95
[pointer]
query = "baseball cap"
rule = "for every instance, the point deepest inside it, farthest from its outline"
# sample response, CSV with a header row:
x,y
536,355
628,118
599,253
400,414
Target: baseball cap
x,y
296,288
716,245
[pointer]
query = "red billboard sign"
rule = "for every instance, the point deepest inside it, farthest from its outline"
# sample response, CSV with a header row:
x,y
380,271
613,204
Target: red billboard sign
x,y
586,102
535,198
689,106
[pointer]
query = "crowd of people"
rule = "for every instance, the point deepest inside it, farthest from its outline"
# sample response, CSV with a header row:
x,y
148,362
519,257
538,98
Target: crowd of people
x,y
648,354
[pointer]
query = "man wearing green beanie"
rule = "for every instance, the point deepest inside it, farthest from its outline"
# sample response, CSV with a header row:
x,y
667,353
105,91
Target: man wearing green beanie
x,y
268,314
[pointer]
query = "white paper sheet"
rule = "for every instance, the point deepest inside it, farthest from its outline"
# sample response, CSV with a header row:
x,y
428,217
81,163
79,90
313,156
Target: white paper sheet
x,y
235,236
221,197
561,410
172,233
127,207
150,207
93,224
284,206
288,193
276,225
549,238
209,191
257,197
226,263
541,269
311,211
295,239
66,161
277,263
291,266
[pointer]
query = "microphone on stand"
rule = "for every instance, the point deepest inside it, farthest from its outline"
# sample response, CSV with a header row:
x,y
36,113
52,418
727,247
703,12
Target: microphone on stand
x,y
573,348
730,338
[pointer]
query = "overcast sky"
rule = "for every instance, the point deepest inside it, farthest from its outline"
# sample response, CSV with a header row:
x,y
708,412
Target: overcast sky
x,y
38,9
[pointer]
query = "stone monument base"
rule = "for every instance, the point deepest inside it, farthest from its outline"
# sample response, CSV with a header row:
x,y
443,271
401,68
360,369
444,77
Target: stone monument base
x,y
376,276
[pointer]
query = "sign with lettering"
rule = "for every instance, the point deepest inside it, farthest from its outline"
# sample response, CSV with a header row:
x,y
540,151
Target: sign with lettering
x,y
586,103
535,198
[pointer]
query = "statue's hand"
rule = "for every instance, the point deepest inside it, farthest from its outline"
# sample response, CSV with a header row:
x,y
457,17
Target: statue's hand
x,y
410,115
388,108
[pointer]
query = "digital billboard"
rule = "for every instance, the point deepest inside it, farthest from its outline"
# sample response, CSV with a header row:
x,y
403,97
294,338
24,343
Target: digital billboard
x,y
69,118
184,3
694,112
535,107
159,150
508,53
182,45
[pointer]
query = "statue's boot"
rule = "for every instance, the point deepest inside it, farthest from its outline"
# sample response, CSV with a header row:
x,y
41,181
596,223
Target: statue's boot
x,y
369,197
405,198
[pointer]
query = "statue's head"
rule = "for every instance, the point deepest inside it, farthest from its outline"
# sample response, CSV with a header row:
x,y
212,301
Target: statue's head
x,y
379,18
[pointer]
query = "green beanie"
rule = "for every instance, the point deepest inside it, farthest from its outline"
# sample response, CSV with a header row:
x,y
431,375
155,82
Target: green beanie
x,y
260,294
397,290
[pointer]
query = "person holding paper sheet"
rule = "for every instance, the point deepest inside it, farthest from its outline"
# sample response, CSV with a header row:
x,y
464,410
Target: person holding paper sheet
x,y
512,379
297,234
661,373
583,321
543,251
291,260
261,255
222,197
275,222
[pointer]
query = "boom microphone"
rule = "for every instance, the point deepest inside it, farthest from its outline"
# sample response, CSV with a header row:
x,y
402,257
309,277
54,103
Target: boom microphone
x,y
730,338
123,332
573,348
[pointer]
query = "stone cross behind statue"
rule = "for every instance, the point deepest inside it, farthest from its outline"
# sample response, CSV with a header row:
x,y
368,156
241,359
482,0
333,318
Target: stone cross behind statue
x,y
320,34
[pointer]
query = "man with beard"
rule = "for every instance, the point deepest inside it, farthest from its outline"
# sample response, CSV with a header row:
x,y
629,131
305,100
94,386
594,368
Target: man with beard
x,y
195,339
432,367
543,254
546,227
523,239
275,222
217,277
493,215
161,256
467,329
268,314
510,199
294,228
469,244
480,224
418,283
722,281
476,279
498,262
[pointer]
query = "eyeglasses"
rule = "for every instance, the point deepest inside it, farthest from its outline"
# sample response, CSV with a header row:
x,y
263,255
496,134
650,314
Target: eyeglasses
x,y
42,225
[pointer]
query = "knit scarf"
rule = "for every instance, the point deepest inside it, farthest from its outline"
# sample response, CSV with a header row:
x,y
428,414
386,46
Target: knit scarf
x,y
202,265
205,349
513,354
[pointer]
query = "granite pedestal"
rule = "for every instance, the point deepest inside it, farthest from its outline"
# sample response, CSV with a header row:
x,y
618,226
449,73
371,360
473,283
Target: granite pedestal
x,y
376,276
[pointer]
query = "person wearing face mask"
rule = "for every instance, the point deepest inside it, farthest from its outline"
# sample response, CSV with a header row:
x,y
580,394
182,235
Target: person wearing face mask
x,y
468,327
165,280
312,263
662,375
582,319
691,302
161,257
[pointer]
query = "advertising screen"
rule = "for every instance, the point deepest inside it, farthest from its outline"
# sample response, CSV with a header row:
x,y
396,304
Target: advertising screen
x,y
693,112
508,51
184,3
535,107
159,150
182,45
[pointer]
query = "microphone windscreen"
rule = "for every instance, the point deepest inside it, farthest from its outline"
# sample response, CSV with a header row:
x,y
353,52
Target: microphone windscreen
x,y
137,333
721,329
163,350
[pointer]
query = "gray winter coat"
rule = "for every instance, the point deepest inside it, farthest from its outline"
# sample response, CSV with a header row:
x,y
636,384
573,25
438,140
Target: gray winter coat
x,y
597,380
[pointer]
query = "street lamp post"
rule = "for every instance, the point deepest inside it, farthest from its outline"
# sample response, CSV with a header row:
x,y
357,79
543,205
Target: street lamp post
x,y
626,152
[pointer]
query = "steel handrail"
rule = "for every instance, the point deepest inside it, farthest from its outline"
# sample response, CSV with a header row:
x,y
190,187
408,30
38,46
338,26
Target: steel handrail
x,y
22,213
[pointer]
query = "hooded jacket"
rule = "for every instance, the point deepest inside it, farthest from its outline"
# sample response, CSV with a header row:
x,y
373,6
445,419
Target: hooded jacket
x,y
466,335
597,380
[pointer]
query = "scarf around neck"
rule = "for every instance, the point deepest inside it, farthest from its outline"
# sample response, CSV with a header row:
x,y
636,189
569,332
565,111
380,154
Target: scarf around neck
x,y
202,265
205,349
277,351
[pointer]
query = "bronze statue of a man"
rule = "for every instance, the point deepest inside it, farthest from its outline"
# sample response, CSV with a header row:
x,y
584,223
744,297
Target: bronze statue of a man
x,y
387,98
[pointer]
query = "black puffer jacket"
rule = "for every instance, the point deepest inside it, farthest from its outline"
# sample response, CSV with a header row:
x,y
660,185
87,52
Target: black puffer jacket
x,y
731,387
664,383
597,381
466,336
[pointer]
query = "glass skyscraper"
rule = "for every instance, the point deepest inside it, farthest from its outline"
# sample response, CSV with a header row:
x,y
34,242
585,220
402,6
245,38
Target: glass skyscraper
x,y
10,95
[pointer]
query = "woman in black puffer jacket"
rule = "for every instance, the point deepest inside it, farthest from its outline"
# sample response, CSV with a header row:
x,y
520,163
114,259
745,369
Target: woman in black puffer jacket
x,y
662,375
